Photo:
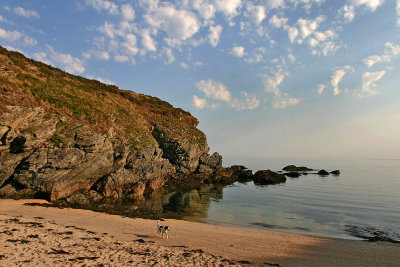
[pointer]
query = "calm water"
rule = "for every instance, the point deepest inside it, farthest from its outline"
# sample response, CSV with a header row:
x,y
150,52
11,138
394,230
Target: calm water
x,y
367,193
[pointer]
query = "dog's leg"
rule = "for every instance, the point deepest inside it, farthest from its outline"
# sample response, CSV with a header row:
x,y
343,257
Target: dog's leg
x,y
166,234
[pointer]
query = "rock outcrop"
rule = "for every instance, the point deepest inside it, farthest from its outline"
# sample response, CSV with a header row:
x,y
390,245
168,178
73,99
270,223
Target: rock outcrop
x,y
294,168
66,137
265,177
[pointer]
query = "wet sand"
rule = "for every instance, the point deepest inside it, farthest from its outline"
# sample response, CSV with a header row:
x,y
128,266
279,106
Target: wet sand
x,y
34,234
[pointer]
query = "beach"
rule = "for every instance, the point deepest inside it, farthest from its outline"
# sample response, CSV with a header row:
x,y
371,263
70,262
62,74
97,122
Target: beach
x,y
33,233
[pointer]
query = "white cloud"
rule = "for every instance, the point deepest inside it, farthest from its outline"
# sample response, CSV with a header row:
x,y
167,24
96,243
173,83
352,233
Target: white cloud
x,y
10,48
307,27
271,85
147,42
256,14
392,49
121,58
275,4
238,51
348,13
374,59
179,25
228,7
105,5
291,57
213,36
106,81
128,13
199,102
272,82
278,22
398,12
370,4
205,9
41,56
29,41
69,63
214,90
257,55
26,13
2,19
285,101
249,102
293,32
369,80
10,36
129,44
321,88
338,75
168,55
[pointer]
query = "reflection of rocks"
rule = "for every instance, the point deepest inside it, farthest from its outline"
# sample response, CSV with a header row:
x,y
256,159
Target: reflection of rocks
x,y
264,177
372,234
292,174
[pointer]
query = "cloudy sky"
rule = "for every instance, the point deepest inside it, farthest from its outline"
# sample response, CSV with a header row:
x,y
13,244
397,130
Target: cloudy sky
x,y
266,78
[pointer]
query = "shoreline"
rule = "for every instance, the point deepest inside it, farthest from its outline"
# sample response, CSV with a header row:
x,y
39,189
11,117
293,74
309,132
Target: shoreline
x,y
194,242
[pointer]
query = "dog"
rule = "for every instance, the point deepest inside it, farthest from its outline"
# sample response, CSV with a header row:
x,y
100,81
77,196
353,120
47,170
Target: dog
x,y
162,230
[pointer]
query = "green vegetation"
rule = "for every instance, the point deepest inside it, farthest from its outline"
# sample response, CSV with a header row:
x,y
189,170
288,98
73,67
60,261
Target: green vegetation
x,y
56,139
89,102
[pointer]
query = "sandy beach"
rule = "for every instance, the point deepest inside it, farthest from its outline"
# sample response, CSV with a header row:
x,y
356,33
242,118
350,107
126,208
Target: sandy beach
x,y
34,234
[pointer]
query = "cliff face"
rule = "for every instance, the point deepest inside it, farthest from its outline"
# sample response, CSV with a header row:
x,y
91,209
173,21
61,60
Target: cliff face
x,y
62,135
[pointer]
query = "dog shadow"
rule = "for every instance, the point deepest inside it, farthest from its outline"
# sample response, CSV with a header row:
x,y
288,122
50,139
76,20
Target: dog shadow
x,y
143,236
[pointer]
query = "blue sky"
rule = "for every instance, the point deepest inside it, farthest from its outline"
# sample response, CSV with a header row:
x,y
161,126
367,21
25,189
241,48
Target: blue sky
x,y
266,78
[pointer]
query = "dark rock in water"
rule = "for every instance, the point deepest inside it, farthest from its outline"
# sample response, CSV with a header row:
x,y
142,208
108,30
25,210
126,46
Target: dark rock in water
x,y
336,172
292,174
294,168
372,234
264,177
242,173
323,172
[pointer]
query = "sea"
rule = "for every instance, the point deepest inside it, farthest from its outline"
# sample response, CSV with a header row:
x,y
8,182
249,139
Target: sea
x,y
366,195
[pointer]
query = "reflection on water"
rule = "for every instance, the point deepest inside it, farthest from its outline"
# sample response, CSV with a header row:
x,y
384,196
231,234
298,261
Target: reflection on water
x,y
190,205
365,195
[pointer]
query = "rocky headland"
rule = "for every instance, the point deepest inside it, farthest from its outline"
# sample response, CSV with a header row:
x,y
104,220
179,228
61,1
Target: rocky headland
x,y
63,136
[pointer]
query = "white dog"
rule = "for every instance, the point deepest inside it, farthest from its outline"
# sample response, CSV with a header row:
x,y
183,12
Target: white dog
x,y
162,229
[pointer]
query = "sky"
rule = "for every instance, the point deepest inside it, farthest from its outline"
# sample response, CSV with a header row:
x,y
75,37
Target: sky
x,y
307,79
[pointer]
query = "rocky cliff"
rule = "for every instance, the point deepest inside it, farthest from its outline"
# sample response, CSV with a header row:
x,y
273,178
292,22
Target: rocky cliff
x,y
62,135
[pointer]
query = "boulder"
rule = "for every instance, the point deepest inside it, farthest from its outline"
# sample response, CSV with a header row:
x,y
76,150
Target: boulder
x,y
335,172
323,172
294,168
264,177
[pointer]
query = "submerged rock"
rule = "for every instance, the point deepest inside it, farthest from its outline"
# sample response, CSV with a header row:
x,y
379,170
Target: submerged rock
x,y
264,177
336,172
372,234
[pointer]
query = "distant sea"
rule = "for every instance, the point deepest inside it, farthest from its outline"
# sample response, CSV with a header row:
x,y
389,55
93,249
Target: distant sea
x,y
365,194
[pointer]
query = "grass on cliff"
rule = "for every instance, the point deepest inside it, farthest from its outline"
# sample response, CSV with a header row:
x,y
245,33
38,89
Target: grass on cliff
x,y
29,83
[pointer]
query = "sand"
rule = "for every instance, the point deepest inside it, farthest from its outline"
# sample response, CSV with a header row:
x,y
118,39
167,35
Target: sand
x,y
33,234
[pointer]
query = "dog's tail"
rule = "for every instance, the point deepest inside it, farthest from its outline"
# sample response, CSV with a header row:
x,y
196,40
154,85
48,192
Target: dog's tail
x,y
158,222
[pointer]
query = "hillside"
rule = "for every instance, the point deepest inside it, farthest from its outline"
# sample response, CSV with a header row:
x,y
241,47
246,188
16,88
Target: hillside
x,y
63,134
